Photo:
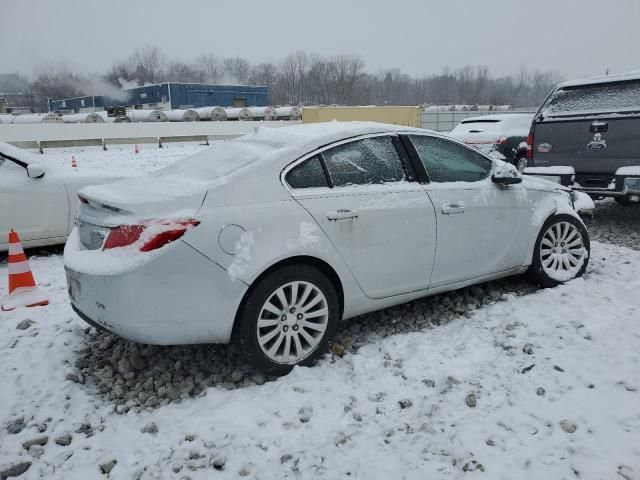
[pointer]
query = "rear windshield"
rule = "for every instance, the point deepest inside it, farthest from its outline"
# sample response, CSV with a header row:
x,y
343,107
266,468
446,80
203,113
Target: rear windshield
x,y
515,125
611,97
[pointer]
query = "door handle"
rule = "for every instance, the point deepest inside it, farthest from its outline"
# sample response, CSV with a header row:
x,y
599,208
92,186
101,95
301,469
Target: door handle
x,y
342,215
451,208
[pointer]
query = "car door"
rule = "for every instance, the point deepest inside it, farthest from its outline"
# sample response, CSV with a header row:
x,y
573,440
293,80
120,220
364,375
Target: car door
x,y
381,223
37,208
483,228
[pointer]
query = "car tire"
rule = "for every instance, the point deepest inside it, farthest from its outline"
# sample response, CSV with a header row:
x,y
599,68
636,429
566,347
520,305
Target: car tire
x,y
288,318
561,252
521,163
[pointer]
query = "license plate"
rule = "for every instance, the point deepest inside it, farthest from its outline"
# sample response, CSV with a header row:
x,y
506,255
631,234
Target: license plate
x,y
74,288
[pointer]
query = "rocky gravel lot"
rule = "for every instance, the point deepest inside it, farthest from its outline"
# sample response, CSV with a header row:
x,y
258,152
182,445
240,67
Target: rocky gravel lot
x,y
135,376
612,223
103,385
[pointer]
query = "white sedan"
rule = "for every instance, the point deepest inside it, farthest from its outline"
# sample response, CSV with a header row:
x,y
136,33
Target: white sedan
x,y
271,239
38,199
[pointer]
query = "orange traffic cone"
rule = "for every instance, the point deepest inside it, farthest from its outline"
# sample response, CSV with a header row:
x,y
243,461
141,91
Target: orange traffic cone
x,y
135,149
74,164
22,287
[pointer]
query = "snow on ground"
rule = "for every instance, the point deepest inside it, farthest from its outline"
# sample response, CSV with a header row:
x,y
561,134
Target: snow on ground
x,y
120,158
543,385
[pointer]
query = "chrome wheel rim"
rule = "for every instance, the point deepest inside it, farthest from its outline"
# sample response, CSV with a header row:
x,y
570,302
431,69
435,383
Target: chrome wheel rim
x,y
521,164
562,251
292,322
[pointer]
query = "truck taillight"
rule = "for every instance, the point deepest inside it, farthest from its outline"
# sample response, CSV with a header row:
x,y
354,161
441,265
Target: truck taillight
x,y
530,145
151,235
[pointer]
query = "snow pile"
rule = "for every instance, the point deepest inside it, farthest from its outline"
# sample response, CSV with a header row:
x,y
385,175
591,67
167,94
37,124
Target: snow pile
x,y
543,385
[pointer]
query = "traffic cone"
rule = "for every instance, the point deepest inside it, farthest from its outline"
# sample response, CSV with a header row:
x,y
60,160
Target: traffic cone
x,y
135,149
74,164
22,287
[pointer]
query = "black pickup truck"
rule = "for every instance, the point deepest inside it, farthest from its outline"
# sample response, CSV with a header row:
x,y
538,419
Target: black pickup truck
x,y
593,127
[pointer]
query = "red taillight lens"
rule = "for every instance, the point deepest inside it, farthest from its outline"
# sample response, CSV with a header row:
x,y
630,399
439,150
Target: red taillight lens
x,y
152,234
174,231
530,145
123,235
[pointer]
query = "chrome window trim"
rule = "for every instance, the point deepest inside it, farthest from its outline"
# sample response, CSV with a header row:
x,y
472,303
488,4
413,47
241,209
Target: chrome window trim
x,y
298,161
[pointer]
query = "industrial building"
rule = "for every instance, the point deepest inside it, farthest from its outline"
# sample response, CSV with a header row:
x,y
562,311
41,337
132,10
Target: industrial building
x,y
170,96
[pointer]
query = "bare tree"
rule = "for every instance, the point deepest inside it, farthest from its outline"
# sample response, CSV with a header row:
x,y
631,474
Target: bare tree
x,y
237,69
212,67
148,63
294,69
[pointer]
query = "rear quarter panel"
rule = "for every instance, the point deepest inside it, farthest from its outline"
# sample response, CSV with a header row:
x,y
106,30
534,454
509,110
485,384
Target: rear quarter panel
x,y
273,231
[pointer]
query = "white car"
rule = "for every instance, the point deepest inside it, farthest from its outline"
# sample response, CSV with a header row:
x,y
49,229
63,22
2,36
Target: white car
x,y
38,198
503,136
271,239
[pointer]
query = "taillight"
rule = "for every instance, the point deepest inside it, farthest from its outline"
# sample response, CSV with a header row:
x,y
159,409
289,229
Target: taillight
x,y
123,235
83,200
530,145
151,235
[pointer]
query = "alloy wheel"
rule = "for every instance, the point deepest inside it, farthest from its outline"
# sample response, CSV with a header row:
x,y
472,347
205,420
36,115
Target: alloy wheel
x,y
292,322
562,251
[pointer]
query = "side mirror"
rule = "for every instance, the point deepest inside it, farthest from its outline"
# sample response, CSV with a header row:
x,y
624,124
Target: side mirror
x,y
504,181
35,170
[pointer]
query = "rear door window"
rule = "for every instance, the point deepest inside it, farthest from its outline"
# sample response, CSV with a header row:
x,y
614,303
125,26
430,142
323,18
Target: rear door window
x,y
308,174
372,160
446,161
610,97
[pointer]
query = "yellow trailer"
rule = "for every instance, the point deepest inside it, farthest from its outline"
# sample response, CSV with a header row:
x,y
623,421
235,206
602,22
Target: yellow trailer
x,y
410,116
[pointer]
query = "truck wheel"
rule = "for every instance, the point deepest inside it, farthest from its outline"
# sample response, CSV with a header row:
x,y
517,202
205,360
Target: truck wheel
x,y
288,319
561,252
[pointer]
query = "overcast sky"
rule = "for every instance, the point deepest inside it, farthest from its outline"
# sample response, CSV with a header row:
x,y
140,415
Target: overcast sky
x,y
575,37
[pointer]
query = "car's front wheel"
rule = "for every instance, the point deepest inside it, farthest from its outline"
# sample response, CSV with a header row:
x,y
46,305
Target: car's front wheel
x,y
288,319
561,251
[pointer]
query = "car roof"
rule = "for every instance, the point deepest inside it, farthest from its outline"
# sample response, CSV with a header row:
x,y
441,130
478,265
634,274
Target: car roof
x,y
308,136
620,77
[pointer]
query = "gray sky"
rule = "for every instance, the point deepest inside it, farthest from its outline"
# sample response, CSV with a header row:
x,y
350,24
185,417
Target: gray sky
x,y
575,37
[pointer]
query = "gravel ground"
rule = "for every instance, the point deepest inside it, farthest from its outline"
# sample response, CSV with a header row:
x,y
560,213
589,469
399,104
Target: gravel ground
x,y
612,223
135,376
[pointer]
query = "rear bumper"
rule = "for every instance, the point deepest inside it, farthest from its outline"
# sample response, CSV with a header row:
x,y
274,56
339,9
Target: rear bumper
x,y
616,185
623,186
180,297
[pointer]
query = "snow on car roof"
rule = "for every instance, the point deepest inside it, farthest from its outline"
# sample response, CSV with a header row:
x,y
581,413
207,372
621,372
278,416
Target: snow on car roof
x,y
311,135
620,77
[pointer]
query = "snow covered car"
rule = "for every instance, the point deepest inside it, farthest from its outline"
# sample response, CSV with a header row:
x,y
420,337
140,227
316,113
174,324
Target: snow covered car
x,y
38,198
502,136
270,239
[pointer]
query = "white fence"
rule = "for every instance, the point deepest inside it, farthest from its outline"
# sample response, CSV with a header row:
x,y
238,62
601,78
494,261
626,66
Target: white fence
x,y
61,135
446,121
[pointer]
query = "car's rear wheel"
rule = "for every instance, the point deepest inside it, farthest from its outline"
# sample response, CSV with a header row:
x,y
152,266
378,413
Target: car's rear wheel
x,y
561,251
288,319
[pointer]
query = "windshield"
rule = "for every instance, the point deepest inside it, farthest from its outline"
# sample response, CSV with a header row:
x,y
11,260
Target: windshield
x,y
594,98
